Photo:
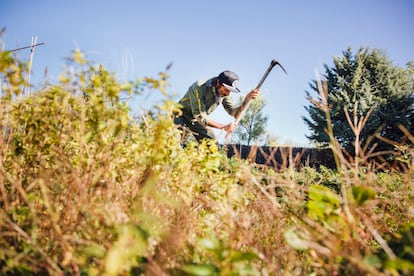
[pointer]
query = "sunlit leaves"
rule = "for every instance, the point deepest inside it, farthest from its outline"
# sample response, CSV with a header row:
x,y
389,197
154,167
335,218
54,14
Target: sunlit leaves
x,y
79,57
87,189
201,269
294,240
322,202
125,252
12,73
159,84
223,261
362,194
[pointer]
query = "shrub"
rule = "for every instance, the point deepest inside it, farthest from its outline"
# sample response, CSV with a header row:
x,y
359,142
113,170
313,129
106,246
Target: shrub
x,y
87,189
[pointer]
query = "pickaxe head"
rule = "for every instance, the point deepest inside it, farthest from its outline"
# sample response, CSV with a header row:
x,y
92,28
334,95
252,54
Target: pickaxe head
x,y
275,62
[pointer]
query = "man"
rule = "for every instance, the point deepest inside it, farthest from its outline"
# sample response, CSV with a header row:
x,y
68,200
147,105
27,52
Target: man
x,y
203,97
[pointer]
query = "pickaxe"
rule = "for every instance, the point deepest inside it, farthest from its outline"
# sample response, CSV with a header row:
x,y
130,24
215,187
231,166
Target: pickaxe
x,y
273,63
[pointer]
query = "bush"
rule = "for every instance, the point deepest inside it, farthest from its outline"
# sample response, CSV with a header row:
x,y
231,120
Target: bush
x,y
87,189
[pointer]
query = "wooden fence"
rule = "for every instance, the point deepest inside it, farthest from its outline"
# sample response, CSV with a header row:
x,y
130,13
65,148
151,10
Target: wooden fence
x,y
282,157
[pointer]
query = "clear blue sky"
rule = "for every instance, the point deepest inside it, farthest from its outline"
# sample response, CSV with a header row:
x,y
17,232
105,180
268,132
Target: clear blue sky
x,y
203,38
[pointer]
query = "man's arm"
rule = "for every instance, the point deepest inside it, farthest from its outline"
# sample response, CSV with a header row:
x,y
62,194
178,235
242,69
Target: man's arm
x,y
228,128
198,108
234,110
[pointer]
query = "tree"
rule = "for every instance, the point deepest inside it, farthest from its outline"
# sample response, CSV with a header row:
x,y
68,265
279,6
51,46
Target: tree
x,y
252,127
364,85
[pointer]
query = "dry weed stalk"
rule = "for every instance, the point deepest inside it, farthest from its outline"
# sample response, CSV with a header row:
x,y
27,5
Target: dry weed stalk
x,y
287,159
357,126
353,215
323,105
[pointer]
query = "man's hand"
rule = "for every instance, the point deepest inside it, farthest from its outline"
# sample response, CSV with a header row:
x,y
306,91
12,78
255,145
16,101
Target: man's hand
x,y
230,127
250,96
253,94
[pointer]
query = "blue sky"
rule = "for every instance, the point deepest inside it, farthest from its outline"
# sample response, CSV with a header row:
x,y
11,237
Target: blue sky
x,y
203,38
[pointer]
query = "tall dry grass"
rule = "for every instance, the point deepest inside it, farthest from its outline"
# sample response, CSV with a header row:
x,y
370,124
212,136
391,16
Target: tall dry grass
x,y
87,190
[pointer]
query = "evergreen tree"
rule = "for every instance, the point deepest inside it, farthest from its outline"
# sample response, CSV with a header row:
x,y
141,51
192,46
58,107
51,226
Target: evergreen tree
x,y
366,85
252,127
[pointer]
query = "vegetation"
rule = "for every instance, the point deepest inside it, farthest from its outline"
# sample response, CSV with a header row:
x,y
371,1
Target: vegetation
x,y
252,126
87,190
369,86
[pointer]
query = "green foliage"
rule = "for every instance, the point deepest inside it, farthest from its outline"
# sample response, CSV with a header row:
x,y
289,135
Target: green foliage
x,y
361,194
322,203
87,189
252,127
383,93
125,253
402,243
337,227
223,260
13,81
73,150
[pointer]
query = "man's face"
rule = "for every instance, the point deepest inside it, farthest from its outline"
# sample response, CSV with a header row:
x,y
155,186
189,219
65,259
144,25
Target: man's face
x,y
223,91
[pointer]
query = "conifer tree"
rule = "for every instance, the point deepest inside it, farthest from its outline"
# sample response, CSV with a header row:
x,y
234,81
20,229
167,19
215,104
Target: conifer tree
x,y
365,84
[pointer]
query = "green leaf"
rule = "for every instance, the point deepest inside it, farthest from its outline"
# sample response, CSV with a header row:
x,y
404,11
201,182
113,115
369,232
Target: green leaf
x,y
293,239
323,194
373,260
79,57
114,261
130,246
399,264
317,209
94,251
362,194
322,202
201,269
243,256
210,243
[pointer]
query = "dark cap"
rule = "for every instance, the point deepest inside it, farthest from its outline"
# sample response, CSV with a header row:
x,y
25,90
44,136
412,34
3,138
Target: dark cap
x,y
230,80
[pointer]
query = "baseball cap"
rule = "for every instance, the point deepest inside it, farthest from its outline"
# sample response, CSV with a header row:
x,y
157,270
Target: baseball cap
x,y
230,80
